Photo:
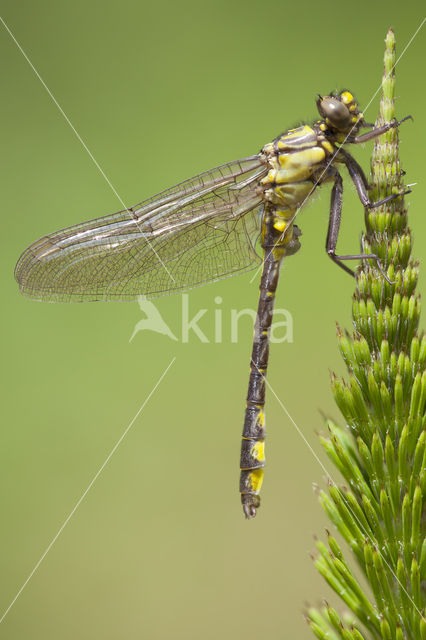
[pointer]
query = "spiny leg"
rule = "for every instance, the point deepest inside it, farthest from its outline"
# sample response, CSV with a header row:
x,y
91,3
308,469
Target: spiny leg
x,y
360,181
333,231
377,131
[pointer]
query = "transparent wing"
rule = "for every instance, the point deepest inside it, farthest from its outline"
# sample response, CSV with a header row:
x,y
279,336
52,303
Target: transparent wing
x,y
201,230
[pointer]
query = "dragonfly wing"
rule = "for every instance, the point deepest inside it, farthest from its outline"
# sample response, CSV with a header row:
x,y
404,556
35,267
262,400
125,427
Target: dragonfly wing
x,y
199,231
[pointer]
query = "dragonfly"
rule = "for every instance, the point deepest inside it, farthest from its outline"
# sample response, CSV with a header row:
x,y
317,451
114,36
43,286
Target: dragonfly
x,y
209,227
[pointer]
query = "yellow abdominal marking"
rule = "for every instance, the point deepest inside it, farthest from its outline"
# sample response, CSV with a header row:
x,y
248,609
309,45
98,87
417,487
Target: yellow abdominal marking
x,y
260,420
280,224
258,451
255,480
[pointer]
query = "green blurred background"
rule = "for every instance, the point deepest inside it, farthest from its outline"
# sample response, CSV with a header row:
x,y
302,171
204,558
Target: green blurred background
x,y
159,92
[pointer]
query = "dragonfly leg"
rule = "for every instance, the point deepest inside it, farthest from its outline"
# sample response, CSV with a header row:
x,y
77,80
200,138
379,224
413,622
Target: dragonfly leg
x,y
361,185
377,131
333,232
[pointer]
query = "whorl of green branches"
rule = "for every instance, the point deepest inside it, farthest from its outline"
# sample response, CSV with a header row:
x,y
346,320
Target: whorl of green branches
x,y
381,452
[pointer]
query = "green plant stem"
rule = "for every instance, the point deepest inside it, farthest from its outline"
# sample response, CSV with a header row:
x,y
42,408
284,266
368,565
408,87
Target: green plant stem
x,y
381,453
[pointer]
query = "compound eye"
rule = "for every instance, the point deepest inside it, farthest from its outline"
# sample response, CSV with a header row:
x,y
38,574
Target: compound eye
x,y
336,112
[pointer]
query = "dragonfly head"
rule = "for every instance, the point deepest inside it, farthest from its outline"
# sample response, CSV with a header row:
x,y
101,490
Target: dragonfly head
x,y
340,114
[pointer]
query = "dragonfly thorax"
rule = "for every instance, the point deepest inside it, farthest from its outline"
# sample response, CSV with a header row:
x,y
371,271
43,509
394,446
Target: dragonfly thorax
x,y
297,162
301,159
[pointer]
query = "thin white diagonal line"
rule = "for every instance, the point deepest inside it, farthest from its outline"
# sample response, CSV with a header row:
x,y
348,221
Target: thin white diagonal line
x,y
397,60
354,515
86,491
80,139
336,152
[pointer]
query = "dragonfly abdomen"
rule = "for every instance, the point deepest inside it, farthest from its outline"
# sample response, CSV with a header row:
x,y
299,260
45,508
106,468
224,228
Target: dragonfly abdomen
x,y
278,239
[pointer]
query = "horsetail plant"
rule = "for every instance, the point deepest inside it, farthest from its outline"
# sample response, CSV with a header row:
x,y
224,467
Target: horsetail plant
x,y
381,453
